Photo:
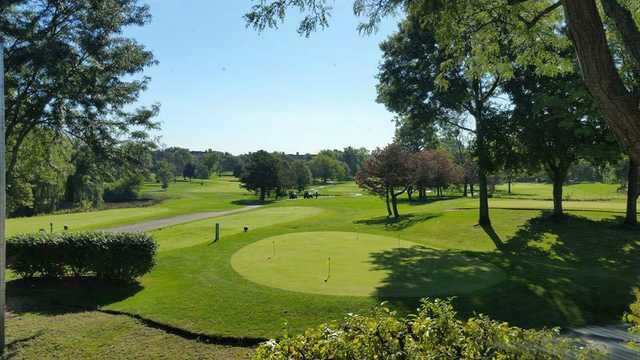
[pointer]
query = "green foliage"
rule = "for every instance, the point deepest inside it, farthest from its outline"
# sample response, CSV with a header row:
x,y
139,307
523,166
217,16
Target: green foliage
x,y
261,173
327,167
125,189
433,333
164,173
303,176
633,318
110,256
38,182
70,70
211,160
179,158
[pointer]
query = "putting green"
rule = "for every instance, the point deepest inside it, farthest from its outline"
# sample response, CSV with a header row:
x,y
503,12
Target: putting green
x,y
359,264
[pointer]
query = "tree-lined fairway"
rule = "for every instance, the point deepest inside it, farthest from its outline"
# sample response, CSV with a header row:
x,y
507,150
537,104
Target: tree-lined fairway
x,y
541,272
358,264
182,197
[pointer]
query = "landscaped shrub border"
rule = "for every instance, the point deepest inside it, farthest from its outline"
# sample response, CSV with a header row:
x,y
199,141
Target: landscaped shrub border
x,y
434,332
108,256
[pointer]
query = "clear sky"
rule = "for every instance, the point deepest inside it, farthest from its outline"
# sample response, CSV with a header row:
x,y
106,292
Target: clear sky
x,y
230,88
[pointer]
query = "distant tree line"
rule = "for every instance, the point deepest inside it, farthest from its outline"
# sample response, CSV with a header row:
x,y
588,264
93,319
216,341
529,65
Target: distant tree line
x,y
275,174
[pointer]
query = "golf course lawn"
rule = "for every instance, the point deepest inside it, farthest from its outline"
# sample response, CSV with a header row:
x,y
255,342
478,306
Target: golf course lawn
x,y
219,193
354,264
527,269
202,231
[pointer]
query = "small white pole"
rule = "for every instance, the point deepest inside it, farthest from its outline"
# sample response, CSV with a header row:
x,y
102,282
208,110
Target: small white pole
x,y
3,200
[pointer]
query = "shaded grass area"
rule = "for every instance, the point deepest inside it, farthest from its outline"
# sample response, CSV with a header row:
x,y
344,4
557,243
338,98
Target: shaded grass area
x,y
569,272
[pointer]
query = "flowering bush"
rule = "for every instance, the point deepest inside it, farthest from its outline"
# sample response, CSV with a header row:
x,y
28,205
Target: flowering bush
x,y
433,333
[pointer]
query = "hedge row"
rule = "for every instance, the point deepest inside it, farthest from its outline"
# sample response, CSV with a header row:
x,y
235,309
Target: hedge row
x,y
435,332
109,256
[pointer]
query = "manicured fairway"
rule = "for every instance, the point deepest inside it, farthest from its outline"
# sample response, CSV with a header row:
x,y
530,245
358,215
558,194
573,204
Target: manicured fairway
x,y
200,232
528,269
358,264
182,197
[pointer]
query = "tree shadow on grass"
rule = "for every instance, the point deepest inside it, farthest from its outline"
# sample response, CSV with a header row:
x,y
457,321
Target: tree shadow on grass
x,y
397,224
421,271
66,295
428,200
570,271
252,202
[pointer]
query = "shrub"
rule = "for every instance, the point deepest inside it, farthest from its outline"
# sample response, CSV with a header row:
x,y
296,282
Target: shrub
x,y
434,333
117,256
633,318
125,189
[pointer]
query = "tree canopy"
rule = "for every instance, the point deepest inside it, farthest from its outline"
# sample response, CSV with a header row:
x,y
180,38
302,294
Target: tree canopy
x,y
534,29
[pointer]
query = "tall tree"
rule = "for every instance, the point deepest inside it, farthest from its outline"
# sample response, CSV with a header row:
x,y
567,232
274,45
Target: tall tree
x,y
409,85
261,173
354,158
557,124
532,25
303,176
164,173
70,70
327,167
211,159
387,173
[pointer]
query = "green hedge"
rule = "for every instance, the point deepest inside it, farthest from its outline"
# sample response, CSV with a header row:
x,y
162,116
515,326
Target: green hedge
x,y
109,256
633,318
433,333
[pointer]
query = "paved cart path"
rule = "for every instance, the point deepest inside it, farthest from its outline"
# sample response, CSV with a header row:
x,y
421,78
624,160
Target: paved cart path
x,y
176,220
613,338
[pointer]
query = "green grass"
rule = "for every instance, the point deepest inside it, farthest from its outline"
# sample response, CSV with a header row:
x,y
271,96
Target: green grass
x,y
94,335
568,272
575,192
181,198
354,264
201,232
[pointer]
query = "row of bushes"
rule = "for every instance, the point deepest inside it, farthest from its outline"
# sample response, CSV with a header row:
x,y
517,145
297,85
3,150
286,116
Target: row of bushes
x,y
433,333
109,256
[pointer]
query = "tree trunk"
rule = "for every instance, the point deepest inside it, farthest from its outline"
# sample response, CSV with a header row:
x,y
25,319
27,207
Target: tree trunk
x,y
387,202
263,194
601,77
483,162
410,194
509,186
483,216
465,189
558,182
632,194
471,188
394,203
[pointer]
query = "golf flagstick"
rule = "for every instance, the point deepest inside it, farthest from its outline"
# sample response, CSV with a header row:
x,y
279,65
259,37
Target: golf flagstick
x,y
329,270
274,250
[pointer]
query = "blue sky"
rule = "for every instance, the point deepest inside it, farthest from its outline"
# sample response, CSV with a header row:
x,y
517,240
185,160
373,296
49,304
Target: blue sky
x,y
230,88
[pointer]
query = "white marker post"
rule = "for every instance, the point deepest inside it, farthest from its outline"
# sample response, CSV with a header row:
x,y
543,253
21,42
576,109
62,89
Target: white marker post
x,y
3,201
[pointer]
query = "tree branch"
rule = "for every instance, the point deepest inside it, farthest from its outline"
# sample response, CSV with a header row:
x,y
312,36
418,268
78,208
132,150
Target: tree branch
x,y
531,23
626,27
